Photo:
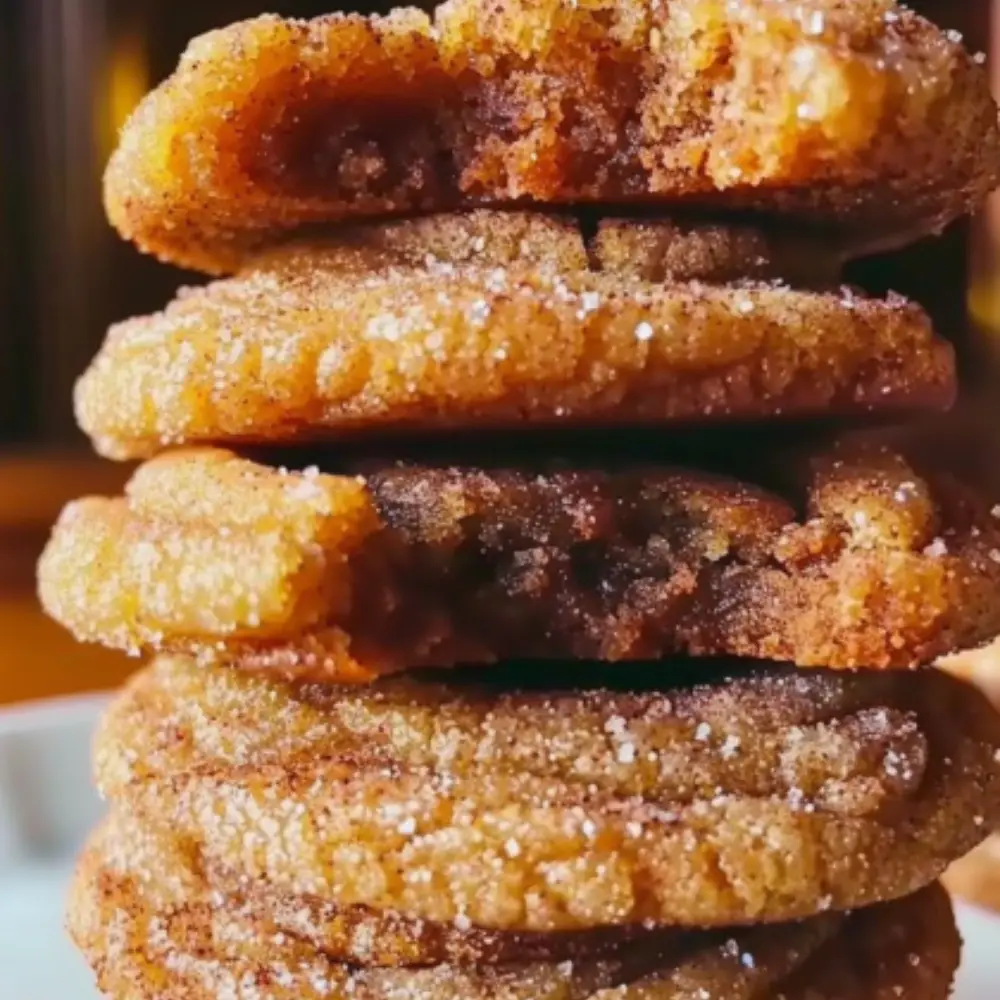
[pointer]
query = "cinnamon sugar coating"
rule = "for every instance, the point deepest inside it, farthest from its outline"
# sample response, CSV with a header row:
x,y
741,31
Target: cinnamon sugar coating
x,y
493,319
194,950
862,117
752,797
172,872
330,577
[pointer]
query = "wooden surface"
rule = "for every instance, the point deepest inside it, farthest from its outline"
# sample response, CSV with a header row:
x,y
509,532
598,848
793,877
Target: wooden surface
x,y
37,658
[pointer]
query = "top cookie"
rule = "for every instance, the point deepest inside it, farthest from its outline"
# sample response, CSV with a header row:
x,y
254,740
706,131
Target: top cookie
x,y
861,117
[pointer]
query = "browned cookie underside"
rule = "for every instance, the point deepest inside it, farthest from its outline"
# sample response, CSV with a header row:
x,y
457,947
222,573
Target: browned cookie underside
x,y
504,320
751,797
860,117
875,563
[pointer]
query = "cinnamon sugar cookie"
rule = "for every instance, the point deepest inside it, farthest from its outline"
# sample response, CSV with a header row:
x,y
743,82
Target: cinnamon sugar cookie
x,y
878,124
199,951
332,577
509,320
751,796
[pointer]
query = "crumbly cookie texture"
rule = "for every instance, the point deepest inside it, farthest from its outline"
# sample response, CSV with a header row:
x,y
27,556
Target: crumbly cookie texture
x,y
822,110
511,320
876,563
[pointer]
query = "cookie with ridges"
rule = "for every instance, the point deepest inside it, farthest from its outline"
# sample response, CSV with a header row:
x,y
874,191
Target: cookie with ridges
x,y
755,796
496,320
170,872
875,563
879,126
199,951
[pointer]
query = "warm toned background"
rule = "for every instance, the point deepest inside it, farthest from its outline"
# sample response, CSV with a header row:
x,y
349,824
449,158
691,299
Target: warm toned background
x,y
70,70
37,658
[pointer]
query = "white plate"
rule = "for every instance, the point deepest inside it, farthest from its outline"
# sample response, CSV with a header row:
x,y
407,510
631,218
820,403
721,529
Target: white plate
x,y
47,806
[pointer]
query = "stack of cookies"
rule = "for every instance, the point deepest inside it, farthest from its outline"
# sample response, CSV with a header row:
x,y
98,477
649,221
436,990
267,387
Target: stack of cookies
x,y
601,693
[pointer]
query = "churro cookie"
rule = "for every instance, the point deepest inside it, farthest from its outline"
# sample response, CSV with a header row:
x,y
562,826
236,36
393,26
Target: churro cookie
x,y
172,872
821,110
333,577
509,320
757,796
141,947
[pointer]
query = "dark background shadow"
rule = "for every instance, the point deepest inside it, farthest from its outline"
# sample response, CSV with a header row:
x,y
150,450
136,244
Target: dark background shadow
x,y
70,70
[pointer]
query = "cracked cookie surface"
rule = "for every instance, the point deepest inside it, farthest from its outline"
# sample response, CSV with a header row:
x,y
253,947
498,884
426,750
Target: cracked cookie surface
x,y
874,563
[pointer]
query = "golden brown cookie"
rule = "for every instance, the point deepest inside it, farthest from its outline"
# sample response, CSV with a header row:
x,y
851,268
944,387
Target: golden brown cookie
x,y
200,951
331,577
171,872
508,320
878,125
757,796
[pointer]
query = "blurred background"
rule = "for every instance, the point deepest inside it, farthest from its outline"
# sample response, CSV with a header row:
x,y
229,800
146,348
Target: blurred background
x,y
70,73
